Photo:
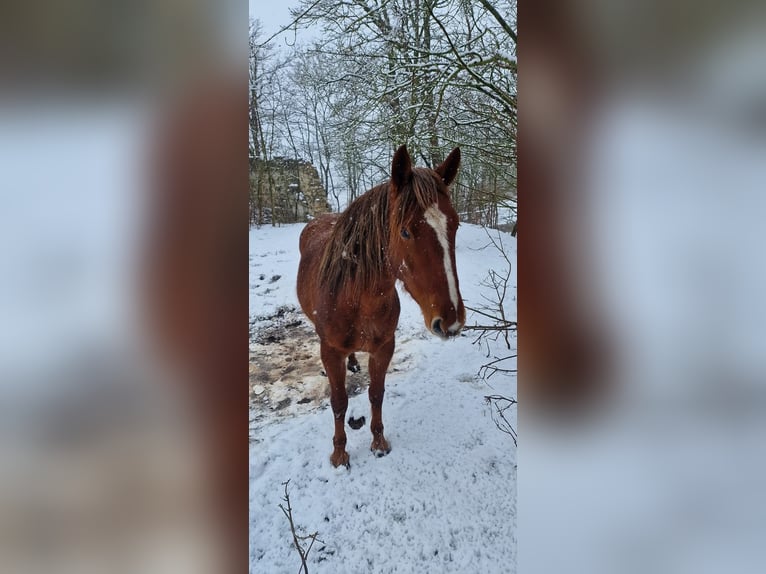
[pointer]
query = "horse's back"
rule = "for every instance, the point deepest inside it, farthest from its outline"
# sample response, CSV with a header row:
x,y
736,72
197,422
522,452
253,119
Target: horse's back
x,y
316,233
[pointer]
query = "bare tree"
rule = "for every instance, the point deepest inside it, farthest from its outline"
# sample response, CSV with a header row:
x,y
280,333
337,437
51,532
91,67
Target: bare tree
x,y
429,73
261,132
432,74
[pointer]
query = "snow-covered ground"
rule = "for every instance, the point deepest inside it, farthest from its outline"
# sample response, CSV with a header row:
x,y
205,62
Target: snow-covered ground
x,y
444,499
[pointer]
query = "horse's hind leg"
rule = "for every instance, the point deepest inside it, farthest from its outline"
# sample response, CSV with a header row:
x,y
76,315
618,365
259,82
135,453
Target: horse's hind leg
x,y
334,365
353,364
379,362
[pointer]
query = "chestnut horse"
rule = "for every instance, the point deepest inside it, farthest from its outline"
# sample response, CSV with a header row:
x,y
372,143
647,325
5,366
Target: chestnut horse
x,y
404,229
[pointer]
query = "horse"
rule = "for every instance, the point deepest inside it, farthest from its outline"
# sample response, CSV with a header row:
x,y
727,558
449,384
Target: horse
x,y
402,230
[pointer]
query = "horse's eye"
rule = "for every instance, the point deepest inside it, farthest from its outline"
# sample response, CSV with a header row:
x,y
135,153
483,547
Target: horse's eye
x,y
405,233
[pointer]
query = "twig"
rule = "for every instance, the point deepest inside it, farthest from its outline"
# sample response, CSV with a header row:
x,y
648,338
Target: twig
x,y
498,405
493,317
488,370
297,539
502,327
494,309
296,19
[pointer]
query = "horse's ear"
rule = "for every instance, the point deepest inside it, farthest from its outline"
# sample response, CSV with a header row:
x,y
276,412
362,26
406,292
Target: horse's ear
x,y
401,168
448,168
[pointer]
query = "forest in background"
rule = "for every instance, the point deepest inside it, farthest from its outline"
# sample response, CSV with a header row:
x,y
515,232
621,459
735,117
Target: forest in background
x,y
434,74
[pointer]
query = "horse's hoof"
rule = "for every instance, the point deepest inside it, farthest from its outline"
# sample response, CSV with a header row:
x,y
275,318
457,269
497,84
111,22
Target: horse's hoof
x,y
380,447
353,366
356,424
340,459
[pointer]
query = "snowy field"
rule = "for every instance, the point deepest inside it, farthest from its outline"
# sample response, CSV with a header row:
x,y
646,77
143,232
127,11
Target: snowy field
x,y
444,499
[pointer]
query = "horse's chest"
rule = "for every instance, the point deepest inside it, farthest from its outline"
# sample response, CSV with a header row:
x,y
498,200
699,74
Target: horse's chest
x,y
363,327
371,333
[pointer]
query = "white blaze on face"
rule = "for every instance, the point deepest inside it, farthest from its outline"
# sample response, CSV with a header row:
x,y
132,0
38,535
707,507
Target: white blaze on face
x,y
436,219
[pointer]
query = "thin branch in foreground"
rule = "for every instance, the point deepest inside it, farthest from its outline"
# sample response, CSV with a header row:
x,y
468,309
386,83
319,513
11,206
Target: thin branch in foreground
x,y
489,369
298,539
506,323
498,405
297,16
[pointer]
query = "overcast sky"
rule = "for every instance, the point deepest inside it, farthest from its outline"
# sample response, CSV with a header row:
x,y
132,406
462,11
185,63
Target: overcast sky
x,y
273,14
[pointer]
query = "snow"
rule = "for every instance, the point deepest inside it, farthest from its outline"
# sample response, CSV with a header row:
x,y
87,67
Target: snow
x,y
444,499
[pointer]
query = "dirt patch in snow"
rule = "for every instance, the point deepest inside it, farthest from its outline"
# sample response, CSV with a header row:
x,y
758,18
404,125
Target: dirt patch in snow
x,y
286,373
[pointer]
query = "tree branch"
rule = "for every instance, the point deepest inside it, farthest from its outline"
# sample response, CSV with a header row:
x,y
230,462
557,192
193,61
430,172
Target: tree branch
x,y
500,20
297,539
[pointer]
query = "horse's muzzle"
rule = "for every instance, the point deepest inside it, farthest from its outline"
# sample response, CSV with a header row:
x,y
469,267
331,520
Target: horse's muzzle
x,y
438,329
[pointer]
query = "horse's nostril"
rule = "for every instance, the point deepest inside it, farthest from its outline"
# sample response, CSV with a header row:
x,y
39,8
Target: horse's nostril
x,y
436,326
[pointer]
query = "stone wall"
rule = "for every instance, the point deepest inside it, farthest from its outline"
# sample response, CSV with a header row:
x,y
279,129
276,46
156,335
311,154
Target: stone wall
x,y
298,191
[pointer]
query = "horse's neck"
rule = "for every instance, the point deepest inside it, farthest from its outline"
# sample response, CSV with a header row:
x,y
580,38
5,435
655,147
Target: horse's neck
x,y
387,283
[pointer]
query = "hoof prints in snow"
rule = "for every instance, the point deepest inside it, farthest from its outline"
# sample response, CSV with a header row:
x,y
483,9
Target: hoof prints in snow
x,y
260,281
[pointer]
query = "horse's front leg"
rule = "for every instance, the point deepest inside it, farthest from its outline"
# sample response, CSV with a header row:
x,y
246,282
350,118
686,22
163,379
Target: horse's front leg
x,y
335,366
379,362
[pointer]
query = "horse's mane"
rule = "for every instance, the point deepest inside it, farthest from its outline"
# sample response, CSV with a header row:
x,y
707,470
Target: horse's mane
x,y
357,252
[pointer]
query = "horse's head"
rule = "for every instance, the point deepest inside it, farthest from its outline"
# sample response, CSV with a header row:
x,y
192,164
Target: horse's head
x,y
422,239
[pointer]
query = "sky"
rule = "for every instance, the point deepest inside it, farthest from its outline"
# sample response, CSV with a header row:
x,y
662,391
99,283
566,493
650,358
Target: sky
x,y
272,14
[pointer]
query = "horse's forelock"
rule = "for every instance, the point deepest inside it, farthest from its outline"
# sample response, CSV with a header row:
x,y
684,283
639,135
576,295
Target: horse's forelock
x,y
422,192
